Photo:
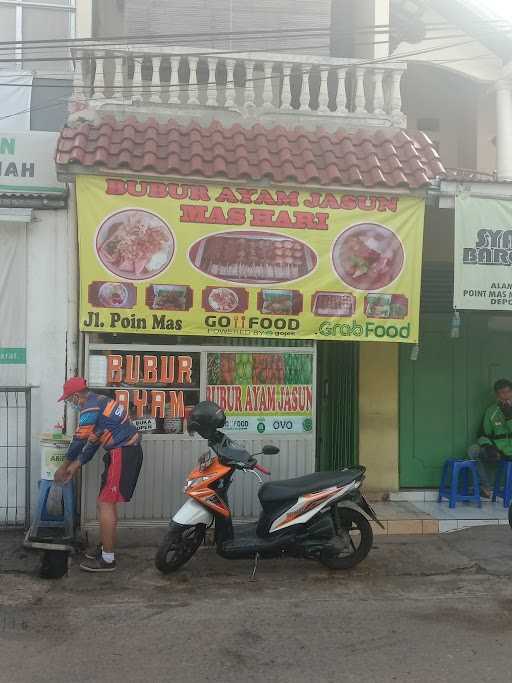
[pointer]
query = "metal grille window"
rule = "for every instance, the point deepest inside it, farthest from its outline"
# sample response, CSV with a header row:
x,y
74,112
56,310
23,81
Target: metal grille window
x,y
14,456
36,20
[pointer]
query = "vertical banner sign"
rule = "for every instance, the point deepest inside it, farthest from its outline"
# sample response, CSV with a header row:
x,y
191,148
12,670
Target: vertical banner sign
x,y
165,257
483,254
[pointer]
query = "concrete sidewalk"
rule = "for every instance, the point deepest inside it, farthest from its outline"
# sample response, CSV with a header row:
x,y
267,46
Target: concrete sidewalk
x,y
418,512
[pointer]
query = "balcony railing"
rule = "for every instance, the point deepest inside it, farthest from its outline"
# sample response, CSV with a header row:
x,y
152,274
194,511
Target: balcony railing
x,y
249,83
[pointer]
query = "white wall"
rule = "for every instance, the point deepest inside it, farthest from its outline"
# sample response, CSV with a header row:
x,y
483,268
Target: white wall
x,y
83,19
47,298
450,48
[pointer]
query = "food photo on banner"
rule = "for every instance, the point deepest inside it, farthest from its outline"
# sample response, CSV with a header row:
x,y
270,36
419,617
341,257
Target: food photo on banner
x,y
219,261
483,254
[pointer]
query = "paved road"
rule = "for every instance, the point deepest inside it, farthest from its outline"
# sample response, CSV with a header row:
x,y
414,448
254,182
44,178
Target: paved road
x,y
419,609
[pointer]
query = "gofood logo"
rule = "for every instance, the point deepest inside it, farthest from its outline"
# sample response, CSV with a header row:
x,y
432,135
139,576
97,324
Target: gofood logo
x,y
369,329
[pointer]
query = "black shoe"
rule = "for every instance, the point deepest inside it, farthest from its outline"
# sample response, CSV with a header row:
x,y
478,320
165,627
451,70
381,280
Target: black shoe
x,y
97,564
94,554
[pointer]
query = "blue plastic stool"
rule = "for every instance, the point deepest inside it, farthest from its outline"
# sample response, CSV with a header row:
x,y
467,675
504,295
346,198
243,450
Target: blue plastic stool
x,y
43,520
449,487
503,472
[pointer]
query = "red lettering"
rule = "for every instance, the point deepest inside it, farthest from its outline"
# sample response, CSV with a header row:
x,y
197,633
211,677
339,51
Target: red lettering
x,y
157,190
132,374
114,369
167,369
199,193
262,218
184,370
246,194
283,220
304,219
140,400
238,400
193,214
348,202
122,396
286,400
313,201
177,191
387,204
115,186
287,198
329,202
177,407
249,404
217,216
367,203
322,221
309,398
150,369
236,216
227,195
265,197
271,398
157,403
137,188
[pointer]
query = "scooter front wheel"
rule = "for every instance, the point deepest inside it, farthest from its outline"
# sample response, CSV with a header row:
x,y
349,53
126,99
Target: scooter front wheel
x,y
178,546
357,533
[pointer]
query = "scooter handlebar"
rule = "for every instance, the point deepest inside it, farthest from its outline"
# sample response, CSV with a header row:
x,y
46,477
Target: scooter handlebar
x,y
262,469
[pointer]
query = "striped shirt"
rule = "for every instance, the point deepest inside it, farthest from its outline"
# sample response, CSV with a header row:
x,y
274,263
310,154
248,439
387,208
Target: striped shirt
x,y
102,422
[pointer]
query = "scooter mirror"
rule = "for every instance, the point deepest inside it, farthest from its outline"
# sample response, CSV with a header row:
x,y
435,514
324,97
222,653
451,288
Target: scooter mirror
x,y
270,450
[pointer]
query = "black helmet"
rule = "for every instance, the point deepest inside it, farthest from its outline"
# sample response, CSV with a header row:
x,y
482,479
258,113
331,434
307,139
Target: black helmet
x,y
205,419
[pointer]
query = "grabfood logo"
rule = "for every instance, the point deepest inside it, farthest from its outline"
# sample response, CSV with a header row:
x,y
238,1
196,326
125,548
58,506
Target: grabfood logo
x,y
369,329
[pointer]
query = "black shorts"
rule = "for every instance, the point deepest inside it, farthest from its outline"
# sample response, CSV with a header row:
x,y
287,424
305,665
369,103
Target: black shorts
x,y
122,469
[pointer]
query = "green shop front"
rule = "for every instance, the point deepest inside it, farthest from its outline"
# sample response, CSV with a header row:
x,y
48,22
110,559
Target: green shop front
x,y
465,329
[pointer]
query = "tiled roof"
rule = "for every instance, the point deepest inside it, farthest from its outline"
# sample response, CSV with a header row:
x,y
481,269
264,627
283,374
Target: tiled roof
x,y
385,157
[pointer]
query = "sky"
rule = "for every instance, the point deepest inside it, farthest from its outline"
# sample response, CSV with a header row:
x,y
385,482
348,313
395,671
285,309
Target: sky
x,y
502,8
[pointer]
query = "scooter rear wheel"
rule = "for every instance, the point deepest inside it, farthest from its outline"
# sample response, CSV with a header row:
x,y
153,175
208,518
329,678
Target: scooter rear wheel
x,y
178,546
359,529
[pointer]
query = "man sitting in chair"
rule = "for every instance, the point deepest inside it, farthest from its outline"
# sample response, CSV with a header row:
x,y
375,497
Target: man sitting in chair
x,y
495,442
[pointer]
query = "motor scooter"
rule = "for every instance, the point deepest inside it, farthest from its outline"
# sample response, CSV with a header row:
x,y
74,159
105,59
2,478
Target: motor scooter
x,y
320,516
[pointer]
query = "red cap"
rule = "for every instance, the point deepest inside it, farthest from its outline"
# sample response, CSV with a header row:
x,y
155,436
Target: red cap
x,y
73,386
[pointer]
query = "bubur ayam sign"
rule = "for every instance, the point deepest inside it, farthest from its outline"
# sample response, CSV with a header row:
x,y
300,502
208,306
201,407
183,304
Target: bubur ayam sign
x,y
192,259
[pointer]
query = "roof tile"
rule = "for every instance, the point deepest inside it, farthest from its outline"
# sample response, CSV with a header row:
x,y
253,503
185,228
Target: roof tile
x,y
367,158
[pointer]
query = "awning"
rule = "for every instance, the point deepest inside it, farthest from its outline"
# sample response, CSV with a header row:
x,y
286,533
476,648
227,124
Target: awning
x,y
383,158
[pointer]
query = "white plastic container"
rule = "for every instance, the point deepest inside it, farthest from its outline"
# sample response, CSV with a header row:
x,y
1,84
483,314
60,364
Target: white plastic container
x,y
53,451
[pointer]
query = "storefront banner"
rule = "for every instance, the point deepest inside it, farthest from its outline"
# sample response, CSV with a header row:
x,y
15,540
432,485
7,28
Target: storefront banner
x,y
263,392
260,392
163,257
27,165
483,254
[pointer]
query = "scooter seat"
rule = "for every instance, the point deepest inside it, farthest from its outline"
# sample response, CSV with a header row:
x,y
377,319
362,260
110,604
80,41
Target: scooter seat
x,y
287,489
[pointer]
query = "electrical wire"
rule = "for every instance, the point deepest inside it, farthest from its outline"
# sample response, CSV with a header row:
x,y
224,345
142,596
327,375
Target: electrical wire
x,y
65,43
228,52
185,87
